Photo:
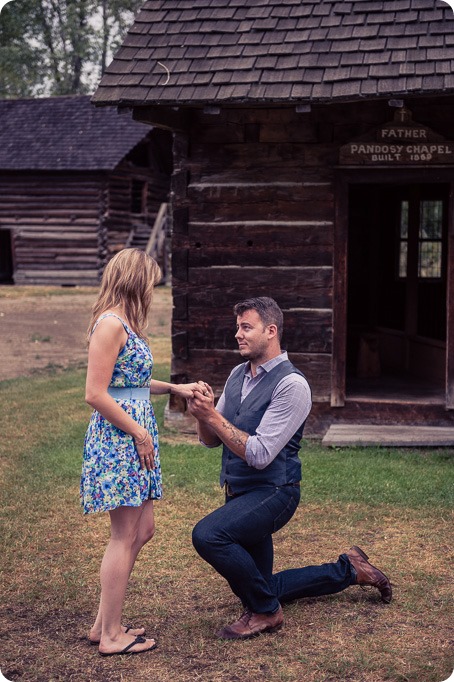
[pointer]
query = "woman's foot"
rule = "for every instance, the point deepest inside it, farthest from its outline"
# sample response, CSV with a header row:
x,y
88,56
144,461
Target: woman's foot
x,y
125,644
94,636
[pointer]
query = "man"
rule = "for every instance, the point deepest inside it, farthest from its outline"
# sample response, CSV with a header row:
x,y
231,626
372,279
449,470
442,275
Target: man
x,y
259,420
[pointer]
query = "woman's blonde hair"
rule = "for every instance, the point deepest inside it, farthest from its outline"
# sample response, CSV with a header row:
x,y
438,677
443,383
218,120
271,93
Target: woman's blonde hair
x,y
128,281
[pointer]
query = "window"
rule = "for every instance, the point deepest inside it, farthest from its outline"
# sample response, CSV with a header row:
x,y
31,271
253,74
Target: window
x,y
430,239
138,196
403,246
429,236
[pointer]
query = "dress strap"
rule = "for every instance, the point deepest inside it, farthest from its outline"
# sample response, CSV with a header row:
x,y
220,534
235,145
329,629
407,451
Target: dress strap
x,y
127,329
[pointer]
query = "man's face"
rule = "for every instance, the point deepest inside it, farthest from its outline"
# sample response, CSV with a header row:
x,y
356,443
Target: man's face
x,y
252,336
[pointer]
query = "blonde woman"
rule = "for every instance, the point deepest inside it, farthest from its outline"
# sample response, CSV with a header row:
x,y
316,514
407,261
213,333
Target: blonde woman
x,y
121,471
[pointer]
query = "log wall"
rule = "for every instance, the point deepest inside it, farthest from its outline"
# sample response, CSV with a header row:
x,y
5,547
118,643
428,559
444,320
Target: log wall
x,y
54,221
65,226
253,204
255,201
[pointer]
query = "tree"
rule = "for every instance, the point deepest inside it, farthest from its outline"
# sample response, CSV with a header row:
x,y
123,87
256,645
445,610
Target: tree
x,y
59,47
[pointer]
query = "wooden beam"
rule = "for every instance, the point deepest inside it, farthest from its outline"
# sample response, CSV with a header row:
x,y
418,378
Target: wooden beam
x,y
167,118
450,306
340,295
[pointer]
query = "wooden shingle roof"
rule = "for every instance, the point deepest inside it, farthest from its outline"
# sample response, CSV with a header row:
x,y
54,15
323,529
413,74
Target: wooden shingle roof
x,y
207,51
64,133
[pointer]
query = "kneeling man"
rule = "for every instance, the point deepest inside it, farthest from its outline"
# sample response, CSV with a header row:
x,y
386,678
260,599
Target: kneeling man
x,y
259,421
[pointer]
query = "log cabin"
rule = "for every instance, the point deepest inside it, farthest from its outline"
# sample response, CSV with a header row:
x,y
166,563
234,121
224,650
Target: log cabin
x,y
76,184
313,160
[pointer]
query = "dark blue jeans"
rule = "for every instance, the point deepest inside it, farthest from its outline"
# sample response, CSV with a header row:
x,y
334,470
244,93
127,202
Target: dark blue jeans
x,y
236,540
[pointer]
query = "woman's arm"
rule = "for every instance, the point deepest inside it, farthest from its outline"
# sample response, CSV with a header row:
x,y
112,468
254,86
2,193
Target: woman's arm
x,y
182,390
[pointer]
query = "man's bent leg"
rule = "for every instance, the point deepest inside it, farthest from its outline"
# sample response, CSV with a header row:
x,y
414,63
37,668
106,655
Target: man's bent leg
x,y
314,581
223,537
263,554
352,568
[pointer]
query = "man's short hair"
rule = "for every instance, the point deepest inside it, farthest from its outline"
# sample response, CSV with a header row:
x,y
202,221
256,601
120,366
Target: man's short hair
x,y
267,309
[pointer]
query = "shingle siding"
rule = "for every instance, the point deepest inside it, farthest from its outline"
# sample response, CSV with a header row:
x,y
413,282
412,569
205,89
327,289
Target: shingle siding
x,y
283,48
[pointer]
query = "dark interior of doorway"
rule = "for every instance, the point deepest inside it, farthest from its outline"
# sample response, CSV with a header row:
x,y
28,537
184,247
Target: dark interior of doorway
x,y
396,325
6,257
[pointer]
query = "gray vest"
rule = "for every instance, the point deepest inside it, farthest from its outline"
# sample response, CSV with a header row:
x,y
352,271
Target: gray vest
x,y
246,416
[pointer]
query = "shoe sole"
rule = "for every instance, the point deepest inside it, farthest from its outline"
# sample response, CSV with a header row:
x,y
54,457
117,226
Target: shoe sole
x,y
129,652
226,634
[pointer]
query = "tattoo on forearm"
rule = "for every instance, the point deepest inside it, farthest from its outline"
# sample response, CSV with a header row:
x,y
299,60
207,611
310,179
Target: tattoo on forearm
x,y
238,437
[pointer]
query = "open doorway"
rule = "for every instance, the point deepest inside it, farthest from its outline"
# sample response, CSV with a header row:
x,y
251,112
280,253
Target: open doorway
x,y
397,283
6,257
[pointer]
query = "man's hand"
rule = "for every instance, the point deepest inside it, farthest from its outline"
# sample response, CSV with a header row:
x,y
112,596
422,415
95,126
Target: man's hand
x,y
201,405
212,427
204,388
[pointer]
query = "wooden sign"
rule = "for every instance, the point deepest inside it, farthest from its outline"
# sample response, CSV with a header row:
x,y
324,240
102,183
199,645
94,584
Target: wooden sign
x,y
401,142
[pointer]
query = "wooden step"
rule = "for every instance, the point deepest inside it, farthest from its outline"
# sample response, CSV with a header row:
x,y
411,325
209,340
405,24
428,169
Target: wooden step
x,y
343,435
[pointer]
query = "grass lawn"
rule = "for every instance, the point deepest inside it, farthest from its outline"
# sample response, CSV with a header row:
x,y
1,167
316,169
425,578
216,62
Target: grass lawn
x,y
396,504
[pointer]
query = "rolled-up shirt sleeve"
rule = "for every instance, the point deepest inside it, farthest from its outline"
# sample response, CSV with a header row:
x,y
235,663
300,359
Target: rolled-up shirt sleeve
x,y
289,407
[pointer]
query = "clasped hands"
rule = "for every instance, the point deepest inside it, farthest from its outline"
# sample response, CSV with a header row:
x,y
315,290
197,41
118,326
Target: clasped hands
x,y
202,400
195,392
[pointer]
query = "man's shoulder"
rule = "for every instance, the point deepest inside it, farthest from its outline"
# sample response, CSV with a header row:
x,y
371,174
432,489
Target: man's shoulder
x,y
285,367
294,378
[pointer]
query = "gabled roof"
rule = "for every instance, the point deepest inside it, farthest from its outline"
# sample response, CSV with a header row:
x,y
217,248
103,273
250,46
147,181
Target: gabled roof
x,y
64,133
205,51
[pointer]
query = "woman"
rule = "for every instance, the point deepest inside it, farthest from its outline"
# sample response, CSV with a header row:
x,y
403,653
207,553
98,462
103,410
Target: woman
x,y
121,472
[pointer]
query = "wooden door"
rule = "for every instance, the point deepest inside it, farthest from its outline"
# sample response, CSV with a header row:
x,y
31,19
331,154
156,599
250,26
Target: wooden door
x,y
407,278
6,257
397,265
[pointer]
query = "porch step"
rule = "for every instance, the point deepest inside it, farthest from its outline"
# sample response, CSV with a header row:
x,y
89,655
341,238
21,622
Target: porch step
x,y
396,436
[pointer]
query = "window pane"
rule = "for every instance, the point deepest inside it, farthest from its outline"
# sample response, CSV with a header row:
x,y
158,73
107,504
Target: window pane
x,y
431,220
429,263
404,219
403,259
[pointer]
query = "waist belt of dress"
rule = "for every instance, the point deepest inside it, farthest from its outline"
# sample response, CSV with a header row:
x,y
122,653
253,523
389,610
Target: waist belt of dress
x,y
129,393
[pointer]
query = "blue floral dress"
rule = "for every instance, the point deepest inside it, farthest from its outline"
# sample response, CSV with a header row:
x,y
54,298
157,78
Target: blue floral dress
x,y
111,473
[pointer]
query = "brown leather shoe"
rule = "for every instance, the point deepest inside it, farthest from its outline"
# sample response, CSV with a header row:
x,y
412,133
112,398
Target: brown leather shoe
x,y
366,574
252,624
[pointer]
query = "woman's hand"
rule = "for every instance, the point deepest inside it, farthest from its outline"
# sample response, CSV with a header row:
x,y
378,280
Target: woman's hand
x,y
145,450
185,390
205,389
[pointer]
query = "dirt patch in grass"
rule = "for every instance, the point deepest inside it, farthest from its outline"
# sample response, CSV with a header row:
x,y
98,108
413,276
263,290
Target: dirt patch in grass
x,y
43,328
